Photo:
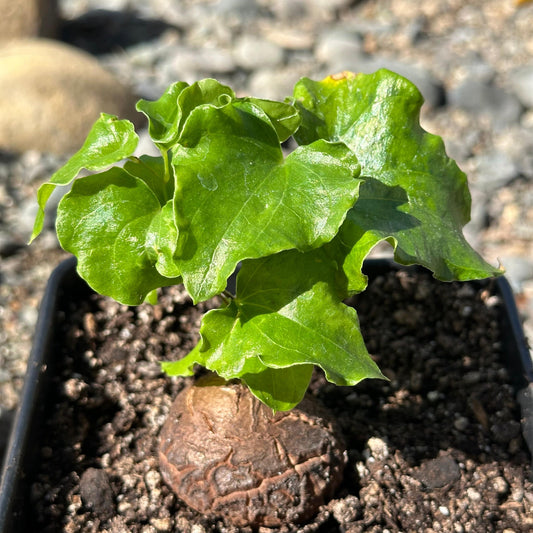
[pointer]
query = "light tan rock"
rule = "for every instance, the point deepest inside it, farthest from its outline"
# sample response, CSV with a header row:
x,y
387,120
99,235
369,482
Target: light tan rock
x,y
28,18
50,95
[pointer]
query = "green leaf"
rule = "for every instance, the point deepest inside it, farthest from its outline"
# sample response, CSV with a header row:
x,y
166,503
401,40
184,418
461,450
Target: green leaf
x,y
381,209
377,116
163,115
286,318
107,221
280,389
161,241
109,141
207,92
291,300
222,194
162,235
152,171
237,198
168,115
283,116
151,297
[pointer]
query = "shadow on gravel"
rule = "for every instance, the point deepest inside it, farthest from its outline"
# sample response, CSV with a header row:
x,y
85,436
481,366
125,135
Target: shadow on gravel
x,y
102,31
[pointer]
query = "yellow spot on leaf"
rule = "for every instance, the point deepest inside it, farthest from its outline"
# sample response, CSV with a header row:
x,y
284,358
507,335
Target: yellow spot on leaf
x,y
341,76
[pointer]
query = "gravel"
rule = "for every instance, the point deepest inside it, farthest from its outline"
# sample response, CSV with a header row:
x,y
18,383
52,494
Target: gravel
x,y
472,61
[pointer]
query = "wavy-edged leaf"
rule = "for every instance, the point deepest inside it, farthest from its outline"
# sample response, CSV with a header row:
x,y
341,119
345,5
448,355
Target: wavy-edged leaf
x,y
168,114
292,300
163,115
107,220
233,181
284,116
152,171
162,236
377,116
280,388
287,315
161,241
207,92
383,210
109,141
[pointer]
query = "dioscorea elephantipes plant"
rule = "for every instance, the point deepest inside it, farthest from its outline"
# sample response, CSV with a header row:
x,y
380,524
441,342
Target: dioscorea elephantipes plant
x,y
222,193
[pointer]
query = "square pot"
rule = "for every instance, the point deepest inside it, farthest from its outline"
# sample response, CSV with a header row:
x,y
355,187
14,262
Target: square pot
x,y
28,447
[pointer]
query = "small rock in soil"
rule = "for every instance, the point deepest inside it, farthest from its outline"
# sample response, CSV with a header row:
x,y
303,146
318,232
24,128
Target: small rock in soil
x,y
439,472
96,493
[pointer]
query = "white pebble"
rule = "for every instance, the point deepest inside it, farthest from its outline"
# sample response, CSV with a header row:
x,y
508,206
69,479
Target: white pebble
x,y
473,494
378,447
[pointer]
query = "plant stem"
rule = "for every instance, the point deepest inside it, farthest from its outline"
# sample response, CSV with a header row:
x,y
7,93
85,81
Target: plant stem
x,y
227,297
164,153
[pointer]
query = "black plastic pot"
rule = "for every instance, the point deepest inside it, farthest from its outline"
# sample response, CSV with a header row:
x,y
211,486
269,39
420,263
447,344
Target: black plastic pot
x,y
17,472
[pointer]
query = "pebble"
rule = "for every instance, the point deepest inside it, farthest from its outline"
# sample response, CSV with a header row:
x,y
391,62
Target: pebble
x,y
473,494
161,524
245,9
439,472
494,170
434,396
461,423
518,269
346,510
501,486
152,478
335,45
484,98
521,80
96,492
250,50
378,447
272,83
56,84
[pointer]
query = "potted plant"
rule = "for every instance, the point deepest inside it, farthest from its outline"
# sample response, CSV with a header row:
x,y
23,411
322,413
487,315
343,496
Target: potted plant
x,y
223,197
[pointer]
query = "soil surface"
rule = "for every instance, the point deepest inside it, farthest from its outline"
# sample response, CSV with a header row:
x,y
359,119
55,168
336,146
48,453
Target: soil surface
x,y
437,448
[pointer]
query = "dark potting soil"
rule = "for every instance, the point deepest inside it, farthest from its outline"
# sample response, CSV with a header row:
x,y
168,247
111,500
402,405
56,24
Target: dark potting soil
x,y
437,448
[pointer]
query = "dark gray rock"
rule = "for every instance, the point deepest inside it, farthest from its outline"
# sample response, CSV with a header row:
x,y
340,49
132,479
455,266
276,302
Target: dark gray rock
x,y
482,97
495,169
96,493
439,472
